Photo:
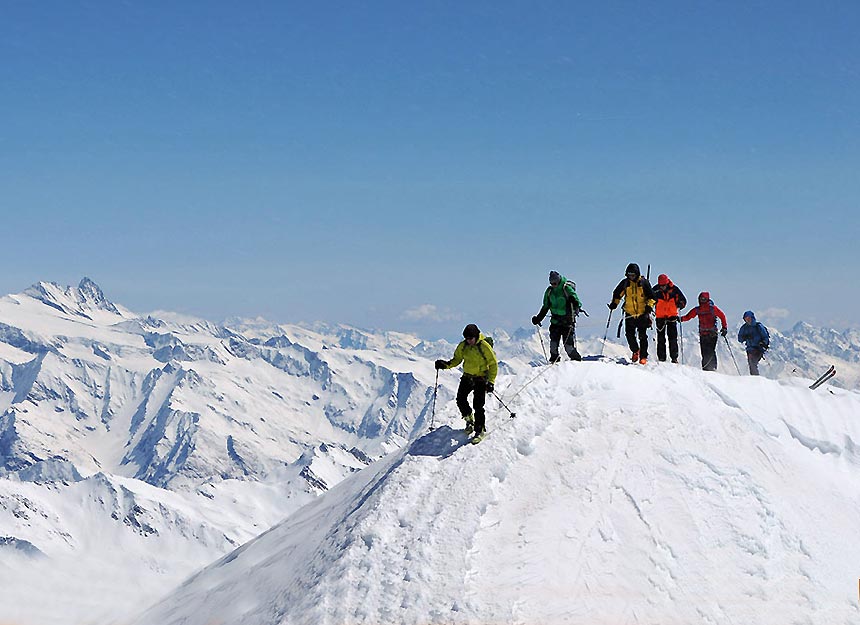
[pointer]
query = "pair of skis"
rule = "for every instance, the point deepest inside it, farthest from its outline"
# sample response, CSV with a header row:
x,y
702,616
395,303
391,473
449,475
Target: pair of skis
x,y
823,378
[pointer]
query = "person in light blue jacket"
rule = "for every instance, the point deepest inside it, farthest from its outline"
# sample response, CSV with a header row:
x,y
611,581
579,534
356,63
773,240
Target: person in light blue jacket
x,y
757,340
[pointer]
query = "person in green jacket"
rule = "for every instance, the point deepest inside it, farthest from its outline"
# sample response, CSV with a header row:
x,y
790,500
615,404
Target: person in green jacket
x,y
480,368
561,300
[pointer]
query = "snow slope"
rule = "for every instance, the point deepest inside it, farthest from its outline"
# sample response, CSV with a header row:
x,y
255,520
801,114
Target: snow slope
x,y
619,494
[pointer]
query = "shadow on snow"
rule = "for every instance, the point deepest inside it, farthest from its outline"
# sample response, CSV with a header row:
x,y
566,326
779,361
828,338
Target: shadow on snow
x,y
441,442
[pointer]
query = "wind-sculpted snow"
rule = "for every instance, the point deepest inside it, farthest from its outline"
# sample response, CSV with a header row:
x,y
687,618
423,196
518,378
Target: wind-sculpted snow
x,y
619,494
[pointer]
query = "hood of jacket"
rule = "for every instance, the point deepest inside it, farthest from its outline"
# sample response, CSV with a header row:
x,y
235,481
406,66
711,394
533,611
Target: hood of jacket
x,y
633,268
750,314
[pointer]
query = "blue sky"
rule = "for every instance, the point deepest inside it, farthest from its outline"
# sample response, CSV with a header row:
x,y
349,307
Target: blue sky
x,y
419,166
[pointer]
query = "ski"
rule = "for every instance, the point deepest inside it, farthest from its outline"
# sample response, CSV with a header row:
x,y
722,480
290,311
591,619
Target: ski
x,y
824,377
821,381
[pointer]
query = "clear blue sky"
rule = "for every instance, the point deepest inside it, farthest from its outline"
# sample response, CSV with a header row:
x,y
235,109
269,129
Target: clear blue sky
x,y
362,162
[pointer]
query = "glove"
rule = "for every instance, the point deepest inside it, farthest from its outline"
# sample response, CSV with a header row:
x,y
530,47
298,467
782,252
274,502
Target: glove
x,y
490,387
535,320
441,364
763,346
648,310
723,332
612,305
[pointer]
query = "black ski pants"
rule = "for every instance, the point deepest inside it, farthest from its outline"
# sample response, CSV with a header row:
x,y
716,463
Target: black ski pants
x,y
557,332
667,326
634,326
708,343
478,385
754,357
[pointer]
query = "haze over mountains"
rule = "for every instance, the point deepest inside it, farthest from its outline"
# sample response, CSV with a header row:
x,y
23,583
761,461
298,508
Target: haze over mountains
x,y
137,450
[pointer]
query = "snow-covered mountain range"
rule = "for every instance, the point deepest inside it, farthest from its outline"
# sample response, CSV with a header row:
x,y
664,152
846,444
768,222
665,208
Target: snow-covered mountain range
x,y
178,438
137,449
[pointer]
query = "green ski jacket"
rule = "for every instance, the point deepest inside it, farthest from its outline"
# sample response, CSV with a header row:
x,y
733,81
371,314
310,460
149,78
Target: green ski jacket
x,y
562,301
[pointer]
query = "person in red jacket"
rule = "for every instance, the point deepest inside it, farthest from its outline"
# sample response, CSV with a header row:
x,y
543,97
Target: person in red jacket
x,y
708,313
669,301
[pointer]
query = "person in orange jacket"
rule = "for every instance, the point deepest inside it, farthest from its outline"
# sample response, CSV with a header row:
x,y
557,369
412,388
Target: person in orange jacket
x,y
670,300
708,313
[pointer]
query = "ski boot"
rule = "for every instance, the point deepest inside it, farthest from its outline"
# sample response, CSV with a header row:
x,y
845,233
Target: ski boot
x,y
470,423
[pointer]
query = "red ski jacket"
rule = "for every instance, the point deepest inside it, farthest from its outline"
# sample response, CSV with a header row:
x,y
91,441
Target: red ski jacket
x,y
707,313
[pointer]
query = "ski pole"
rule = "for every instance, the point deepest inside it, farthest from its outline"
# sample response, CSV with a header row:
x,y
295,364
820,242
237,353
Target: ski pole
x,y
732,354
570,333
433,410
681,330
513,414
539,374
605,334
542,346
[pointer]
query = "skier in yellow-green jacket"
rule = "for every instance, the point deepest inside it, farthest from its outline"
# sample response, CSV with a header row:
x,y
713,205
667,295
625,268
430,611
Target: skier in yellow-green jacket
x,y
480,368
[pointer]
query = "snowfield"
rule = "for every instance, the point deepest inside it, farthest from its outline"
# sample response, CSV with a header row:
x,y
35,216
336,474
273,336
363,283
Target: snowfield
x,y
619,494
137,450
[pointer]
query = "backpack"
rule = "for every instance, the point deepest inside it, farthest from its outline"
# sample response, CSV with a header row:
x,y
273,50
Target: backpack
x,y
574,308
765,341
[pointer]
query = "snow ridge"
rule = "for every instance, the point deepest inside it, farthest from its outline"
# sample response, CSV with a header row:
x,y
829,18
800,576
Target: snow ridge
x,y
619,494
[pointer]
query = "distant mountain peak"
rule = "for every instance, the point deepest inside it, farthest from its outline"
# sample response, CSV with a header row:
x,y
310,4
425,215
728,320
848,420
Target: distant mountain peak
x,y
92,292
80,300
